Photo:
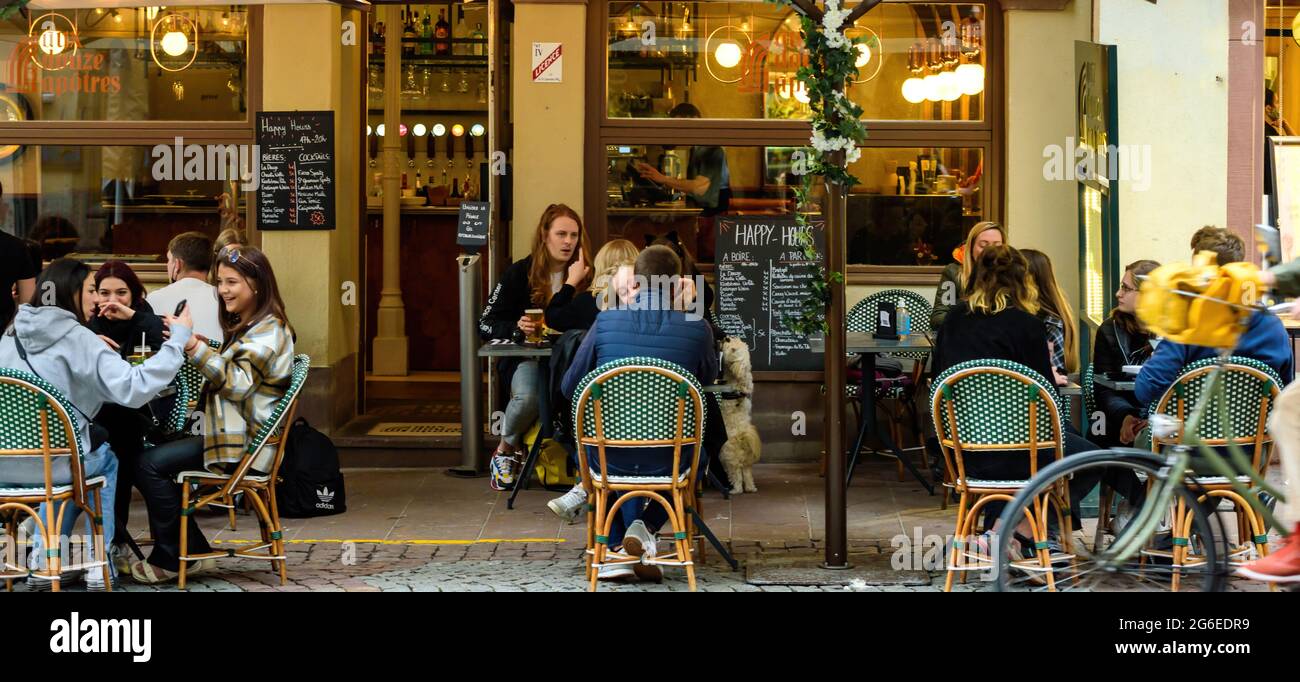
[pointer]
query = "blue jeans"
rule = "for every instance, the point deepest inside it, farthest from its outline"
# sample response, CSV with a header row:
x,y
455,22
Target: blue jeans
x,y
99,462
641,462
522,410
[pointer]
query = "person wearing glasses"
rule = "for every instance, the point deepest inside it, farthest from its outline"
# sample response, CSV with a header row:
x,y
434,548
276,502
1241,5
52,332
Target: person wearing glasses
x,y
1121,340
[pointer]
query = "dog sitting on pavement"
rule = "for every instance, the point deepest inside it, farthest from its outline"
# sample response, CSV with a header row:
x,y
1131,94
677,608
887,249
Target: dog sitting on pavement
x,y
743,447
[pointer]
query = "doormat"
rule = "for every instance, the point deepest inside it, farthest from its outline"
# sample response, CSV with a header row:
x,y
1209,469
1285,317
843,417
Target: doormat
x,y
870,570
414,429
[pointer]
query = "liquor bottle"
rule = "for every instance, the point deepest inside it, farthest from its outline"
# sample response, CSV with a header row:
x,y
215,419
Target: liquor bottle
x,y
408,33
480,44
379,38
468,190
419,182
442,34
426,36
455,188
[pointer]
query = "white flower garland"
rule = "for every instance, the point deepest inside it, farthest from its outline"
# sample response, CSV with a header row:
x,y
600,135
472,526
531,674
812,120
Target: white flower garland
x,y
832,20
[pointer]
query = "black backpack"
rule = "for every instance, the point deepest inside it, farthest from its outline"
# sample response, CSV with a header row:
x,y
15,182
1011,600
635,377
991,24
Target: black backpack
x,y
310,481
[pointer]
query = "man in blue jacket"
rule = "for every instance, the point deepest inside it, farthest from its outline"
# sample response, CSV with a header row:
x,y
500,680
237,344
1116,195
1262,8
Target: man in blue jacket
x,y
650,326
1265,338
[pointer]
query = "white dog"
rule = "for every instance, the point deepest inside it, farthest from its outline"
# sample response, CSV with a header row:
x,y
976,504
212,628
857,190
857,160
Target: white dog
x,y
743,446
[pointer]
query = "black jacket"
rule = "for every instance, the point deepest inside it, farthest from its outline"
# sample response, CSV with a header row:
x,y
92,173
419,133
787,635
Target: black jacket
x,y
569,309
1114,348
509,300
1012,334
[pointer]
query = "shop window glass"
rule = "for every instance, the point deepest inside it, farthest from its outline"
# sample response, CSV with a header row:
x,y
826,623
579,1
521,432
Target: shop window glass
x,y
172,63
912,206
737,60
97,201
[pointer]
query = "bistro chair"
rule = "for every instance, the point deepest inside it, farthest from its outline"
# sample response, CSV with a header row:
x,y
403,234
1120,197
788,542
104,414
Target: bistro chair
x,y
899,391
639,402
1250,388
38,427
258,488
997,408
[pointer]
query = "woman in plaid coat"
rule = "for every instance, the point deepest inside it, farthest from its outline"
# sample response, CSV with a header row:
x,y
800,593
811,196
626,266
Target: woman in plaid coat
x,y
244,380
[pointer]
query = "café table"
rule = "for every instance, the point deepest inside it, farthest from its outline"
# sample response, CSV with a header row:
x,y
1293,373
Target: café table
x,y
1115,384
1292,327
868,346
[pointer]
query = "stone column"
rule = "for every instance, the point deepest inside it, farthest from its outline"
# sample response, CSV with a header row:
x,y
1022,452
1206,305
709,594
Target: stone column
x,y
390,345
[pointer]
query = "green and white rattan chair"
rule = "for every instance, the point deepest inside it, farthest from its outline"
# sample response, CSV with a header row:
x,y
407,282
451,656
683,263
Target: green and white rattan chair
x,y
997,408
1250,388
259,489
864,317
38,432
639,402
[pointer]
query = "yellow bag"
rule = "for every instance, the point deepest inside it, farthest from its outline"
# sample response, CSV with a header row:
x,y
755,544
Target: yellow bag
x,y
1199,320
552,466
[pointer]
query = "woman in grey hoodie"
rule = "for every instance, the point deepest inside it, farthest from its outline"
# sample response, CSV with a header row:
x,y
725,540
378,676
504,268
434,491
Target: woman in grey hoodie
x,y
49,338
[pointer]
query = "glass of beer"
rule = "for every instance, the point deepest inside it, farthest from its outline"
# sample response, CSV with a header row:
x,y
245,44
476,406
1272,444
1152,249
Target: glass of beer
x,y
538,318
139,355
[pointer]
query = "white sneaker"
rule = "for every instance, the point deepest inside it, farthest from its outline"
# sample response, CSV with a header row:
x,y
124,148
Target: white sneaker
x,y
616,573
640,542
95,580
569,506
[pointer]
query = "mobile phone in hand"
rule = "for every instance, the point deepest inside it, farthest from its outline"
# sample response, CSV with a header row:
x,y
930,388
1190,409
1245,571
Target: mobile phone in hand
x,y
179,307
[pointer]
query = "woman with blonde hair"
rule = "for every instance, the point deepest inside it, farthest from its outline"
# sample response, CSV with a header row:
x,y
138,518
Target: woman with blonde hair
x,y
956,276
1057,316
560,253
571,309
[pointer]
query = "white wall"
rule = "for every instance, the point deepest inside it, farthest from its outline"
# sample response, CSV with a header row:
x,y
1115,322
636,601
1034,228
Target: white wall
x,y
1173,96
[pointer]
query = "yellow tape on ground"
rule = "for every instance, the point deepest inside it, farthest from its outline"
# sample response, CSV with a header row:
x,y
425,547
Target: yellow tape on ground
x,y
374,541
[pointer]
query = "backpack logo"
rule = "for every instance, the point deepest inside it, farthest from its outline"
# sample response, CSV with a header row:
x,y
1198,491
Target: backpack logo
x,y
326,496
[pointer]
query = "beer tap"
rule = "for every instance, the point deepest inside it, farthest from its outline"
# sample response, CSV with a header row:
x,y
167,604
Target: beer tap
x,y
430,150
410,149
374,149
451,154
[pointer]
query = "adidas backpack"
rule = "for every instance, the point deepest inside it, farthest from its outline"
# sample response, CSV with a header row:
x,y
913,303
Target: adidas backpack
x,y
310,481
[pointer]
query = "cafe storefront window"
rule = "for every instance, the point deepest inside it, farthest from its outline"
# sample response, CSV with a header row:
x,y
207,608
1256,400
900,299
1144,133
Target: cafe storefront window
x,y
685,79
91,102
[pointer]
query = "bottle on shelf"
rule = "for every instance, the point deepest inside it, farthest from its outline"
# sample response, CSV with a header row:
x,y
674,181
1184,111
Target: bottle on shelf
x,y
442,34
408,33
426,36
468,191
455,188
379,38
419,182
479,47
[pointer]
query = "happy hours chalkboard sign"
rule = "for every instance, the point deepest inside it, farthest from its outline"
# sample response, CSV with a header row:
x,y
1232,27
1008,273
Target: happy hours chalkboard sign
x,y
762,275
296,174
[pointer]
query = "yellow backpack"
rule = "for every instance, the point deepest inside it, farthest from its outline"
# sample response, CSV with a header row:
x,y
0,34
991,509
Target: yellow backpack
x,y
552,466
1168,308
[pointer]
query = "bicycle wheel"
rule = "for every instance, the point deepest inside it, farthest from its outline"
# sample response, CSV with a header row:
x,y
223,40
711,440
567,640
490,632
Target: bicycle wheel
x,y
1034,555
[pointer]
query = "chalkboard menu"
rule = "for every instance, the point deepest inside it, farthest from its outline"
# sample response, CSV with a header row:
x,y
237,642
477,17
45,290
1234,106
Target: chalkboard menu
x,y
762,276
472,227
296,173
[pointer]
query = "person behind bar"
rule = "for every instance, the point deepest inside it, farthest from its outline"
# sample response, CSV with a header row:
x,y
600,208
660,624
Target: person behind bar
x,y
560,249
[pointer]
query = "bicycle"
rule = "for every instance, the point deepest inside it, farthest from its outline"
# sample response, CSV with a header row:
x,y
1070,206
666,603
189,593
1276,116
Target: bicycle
x,y
1146,552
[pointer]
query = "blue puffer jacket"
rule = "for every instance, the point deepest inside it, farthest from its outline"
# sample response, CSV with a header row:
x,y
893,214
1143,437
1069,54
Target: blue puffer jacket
x,y
646,329
1265,340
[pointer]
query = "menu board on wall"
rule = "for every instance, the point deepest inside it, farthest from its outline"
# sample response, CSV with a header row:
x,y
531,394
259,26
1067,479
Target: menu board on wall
x,y
763,276
296,173
1285,206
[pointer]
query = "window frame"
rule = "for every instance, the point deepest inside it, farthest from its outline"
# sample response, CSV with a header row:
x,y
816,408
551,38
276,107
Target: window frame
x,y
602,130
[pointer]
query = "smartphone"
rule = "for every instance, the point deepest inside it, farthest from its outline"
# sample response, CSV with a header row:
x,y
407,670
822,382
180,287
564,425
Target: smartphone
x,y
179,307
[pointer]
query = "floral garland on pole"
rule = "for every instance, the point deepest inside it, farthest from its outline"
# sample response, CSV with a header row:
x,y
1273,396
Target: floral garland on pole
x,y
837,133
12,7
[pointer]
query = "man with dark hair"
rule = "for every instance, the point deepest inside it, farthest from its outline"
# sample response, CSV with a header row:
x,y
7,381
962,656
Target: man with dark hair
x,y
1265,339
707,183
1229,247
17,271
651,326
189,258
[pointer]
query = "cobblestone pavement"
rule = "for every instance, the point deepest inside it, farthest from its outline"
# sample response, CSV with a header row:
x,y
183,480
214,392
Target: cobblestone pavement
x,y
519,567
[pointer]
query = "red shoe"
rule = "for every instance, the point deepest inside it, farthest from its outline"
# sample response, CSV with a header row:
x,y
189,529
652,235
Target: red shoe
x,y
1282,566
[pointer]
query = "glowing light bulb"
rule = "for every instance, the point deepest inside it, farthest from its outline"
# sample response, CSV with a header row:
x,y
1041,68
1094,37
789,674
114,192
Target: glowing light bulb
x,y
117,17
175,43
420,130
949,87
727,54
970,78
439,130
369,130
931,85
864,55
380,130
401,130
458,130
477,130
914,90
52,40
